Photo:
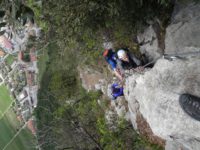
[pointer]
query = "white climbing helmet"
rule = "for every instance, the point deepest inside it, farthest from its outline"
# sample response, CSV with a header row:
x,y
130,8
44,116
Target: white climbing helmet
x,y
121,53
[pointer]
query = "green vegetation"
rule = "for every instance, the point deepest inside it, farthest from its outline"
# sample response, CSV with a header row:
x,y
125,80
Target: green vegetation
x,y
5,99
11,118
87,24
24,141
26,57
10,59
7,131
122,138
67,116
37,8
9,126
43,58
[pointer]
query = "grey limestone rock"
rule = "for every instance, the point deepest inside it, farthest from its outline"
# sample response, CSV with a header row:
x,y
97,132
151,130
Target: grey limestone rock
x,y
183,34
149,43
156,95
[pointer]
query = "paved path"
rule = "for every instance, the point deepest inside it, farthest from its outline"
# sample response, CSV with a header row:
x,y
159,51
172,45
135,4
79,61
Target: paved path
x,y
1,79
5,56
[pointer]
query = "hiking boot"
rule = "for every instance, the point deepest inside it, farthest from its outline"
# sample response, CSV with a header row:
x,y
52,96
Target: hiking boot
x,y
191,105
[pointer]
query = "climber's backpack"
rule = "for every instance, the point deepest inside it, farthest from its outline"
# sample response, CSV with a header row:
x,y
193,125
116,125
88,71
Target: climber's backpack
x,y
191,105
108,53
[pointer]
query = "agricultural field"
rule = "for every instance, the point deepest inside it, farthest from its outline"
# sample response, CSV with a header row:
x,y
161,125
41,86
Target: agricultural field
x,y
5,99
9,126
24,141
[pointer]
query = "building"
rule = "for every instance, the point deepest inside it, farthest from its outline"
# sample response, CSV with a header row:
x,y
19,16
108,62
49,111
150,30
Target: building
x,y
20,56
31,126
2,53
33,55
22,95
30,77
5,43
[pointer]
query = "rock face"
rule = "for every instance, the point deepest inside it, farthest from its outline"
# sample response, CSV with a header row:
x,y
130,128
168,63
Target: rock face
x,y
149,43
183,34
92,79
155,94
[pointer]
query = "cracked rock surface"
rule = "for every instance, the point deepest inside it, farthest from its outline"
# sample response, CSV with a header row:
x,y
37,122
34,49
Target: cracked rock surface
x,y
155,94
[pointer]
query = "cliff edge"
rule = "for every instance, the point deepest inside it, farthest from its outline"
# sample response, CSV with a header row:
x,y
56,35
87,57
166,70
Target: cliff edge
x,y
154,95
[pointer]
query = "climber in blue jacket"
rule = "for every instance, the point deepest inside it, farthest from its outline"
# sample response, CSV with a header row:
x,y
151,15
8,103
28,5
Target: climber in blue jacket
x,y
116,91
121,61
111,58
